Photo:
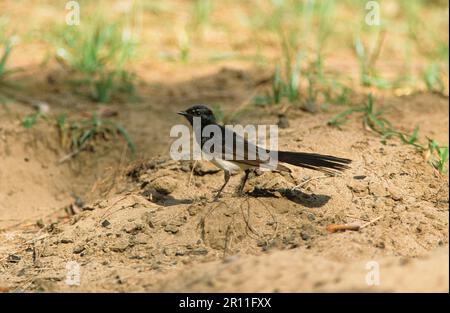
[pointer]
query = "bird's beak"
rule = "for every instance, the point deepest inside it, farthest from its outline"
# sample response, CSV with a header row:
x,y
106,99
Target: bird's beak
x,y
182,113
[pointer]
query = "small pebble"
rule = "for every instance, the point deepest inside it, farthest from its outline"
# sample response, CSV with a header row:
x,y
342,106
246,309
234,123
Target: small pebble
x,y
171,229
14,258
78,249
106,223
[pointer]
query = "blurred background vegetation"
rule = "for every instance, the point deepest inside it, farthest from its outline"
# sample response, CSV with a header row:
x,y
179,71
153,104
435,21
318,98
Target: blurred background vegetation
x,y
310,44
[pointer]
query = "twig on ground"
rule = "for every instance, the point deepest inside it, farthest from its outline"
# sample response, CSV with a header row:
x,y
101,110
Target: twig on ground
x,y
69,156
192,173
333,228
371,222
308,180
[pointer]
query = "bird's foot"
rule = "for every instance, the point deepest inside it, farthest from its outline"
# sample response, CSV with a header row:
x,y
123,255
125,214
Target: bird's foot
x,y
217,194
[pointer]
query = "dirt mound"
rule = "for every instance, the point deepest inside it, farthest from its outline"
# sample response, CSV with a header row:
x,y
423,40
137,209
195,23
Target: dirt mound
x,y
161,230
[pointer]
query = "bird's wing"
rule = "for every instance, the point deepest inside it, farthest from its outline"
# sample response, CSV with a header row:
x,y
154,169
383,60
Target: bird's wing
x,y
236,148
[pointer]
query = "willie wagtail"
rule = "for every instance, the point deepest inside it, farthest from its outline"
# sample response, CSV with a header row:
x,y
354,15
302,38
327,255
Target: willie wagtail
x,y
239,161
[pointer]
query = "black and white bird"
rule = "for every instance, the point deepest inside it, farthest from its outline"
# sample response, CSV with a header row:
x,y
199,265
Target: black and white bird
x,y
240,159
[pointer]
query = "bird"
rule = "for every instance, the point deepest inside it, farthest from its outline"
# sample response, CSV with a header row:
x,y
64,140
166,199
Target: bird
x,y
241,162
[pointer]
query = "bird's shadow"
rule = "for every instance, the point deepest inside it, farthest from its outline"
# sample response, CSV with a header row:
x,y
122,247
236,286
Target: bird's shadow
x,y
163,199
169,201
294,195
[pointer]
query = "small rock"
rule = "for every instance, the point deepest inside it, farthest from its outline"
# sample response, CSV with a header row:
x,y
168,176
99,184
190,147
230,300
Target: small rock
x,y
395,193
311,217
141,239
167,251
261,243
103,204
53,229
305,236
171,229
410,199
358,187
66,240
106,223
204,168
275,183
119,246
78,249
155,265
277,194
180,221
199,251
133,228
14,258
194,209
180,253
164,185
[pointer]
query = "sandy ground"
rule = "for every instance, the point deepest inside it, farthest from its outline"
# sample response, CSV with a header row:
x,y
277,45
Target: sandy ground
x,y
104,221
148,225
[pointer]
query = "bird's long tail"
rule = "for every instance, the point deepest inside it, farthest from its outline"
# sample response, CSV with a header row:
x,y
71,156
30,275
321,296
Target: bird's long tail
x,y
319,162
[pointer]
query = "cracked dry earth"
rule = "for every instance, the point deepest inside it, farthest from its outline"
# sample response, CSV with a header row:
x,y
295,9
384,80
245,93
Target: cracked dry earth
x,y
159,230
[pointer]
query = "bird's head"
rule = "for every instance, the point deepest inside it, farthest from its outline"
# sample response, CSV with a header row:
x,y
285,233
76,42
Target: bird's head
x,y
202,111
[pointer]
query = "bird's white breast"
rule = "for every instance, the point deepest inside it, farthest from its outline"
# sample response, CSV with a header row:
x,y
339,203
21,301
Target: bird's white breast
x,y
227,165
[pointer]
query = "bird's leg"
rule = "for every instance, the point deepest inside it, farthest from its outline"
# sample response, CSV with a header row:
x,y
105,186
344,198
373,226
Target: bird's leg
x,y
227,178
243,181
